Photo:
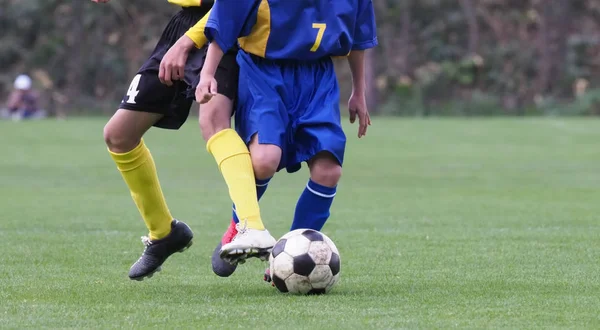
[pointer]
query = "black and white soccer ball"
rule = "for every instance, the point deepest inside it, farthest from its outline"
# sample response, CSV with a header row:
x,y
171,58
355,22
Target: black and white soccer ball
x,y
304,261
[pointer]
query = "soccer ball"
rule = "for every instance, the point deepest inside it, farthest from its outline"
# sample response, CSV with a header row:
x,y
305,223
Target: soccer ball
x,y
304,261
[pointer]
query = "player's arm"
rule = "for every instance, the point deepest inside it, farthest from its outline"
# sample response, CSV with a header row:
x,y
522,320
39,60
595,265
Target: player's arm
x,y
172,66
356,61
227,22
365,37
357,105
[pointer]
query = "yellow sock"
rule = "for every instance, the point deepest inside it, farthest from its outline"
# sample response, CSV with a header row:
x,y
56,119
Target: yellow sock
x,y
235,164
139,172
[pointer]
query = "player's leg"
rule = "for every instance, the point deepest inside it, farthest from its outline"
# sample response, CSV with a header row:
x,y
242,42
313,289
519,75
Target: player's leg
x,y
214,117
249,242
232,156
312,209
313,206
261,121
147,103
321,140
169,108
215,125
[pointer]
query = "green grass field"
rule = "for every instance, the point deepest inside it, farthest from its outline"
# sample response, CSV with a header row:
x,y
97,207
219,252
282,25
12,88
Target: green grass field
x,y
440,223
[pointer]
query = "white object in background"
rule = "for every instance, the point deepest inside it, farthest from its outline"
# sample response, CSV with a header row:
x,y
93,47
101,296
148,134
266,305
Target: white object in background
x,y
23,82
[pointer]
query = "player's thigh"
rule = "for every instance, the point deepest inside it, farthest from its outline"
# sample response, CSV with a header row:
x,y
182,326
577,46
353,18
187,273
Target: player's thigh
x,y
215,115
261,116
319,138
130,123
125,128
148,95
321,142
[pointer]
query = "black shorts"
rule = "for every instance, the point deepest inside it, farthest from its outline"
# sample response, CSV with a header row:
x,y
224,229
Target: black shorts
x,y
146,92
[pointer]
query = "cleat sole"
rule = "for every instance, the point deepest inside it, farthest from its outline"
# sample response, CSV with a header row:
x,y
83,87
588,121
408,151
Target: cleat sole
x,y
149,275
240,255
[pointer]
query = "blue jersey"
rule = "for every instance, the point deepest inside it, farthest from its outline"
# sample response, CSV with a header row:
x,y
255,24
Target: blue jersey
x,y
293,29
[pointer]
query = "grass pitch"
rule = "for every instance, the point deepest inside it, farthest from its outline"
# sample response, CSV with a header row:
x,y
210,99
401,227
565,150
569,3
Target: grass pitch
x,y
440,223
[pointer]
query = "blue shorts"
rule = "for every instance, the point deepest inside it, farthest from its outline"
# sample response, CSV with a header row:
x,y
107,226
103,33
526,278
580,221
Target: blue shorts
x,y
294,105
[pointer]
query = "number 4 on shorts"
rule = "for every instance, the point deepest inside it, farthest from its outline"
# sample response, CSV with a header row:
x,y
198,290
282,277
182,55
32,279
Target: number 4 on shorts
x,y
133,91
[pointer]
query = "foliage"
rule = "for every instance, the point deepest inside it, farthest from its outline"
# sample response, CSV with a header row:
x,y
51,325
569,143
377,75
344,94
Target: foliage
x,y
436,57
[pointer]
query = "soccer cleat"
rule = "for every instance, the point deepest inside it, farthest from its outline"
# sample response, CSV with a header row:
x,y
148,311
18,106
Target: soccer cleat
x,y
221,267
248,243
157,251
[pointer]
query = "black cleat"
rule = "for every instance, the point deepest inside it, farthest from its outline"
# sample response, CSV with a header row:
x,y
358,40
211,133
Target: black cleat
x,y
221,267
157,251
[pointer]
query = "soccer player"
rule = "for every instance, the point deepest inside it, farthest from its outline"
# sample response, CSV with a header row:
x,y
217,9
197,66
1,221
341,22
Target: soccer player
x,y
288,97
148,102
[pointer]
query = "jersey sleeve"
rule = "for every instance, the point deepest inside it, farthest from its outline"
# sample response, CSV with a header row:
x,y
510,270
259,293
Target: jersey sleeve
x,y
365,31
196,32
228,21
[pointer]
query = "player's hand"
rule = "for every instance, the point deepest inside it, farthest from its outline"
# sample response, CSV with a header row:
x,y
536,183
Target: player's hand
x,y
172,66
207,88
100,1
357,106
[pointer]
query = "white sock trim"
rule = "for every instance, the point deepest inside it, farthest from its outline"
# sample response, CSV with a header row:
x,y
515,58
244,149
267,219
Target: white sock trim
x,y
318,193
262,185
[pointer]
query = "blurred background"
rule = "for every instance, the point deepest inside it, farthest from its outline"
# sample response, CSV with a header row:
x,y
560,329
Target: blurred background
x,y
436,57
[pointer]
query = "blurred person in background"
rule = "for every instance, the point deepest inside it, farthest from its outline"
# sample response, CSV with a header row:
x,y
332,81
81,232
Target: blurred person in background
x,y
23,101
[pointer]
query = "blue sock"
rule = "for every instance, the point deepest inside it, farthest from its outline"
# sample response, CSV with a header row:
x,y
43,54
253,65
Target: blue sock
x,y
261,187
312,209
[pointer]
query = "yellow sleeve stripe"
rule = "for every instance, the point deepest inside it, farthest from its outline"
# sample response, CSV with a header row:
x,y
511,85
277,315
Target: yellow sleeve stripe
x,y
186,3
196,32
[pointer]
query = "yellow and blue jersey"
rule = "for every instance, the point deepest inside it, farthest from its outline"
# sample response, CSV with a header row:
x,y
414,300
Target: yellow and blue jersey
x,y
293,29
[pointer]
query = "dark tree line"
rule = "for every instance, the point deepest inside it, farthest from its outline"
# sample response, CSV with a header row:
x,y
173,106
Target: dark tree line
x,y
441,57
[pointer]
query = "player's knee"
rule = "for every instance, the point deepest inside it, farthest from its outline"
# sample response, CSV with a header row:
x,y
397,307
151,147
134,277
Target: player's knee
x,y
211,126
265,161
215,116
118,142
325,169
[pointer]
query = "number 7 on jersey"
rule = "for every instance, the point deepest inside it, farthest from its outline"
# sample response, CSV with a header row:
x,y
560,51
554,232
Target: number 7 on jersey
x,y
321,27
